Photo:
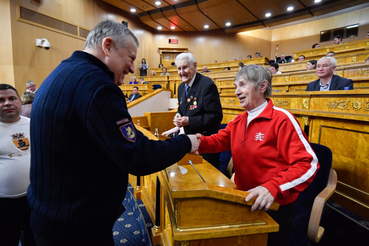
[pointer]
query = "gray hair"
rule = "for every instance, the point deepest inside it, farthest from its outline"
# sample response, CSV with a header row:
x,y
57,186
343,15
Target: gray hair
x,y
27,97
30,82
331,59
185,56
256,74
112,29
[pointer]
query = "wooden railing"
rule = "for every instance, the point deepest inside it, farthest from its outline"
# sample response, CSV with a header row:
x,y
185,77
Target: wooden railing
x,y
218,66
350,48
342,60
298,81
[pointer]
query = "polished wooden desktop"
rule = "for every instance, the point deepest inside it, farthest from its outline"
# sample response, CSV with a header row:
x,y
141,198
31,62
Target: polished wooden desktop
x,y
188,211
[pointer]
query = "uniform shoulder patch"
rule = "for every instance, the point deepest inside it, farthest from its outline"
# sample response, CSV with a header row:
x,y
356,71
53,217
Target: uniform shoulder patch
x,y
128,132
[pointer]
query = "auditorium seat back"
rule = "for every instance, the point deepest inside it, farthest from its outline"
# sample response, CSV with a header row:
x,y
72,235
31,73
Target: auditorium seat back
x,y
309,206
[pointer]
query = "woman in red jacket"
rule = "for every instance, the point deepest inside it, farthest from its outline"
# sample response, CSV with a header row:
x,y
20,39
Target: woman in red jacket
x,y
272,157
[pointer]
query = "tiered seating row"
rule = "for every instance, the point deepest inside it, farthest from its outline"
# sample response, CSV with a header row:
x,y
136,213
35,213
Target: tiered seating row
x,y
218,66
298,81
342,60
350,48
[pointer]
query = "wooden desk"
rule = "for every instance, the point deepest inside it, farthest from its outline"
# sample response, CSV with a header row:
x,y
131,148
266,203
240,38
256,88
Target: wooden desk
x,y
187,211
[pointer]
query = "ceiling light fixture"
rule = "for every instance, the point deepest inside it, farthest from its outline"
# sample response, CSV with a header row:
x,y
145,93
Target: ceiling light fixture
x,y
173,27
206,26
157,3
290,8
228,23
144,6
133,10
268,14
159,28
317,1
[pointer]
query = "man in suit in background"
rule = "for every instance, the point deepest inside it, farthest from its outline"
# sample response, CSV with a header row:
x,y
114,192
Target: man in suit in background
x,y
327,80
199,108
31,86
135,95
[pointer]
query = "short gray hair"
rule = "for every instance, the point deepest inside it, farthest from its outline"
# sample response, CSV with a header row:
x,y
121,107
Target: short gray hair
x,y
185,56
30,82
256,74
112,29
331,59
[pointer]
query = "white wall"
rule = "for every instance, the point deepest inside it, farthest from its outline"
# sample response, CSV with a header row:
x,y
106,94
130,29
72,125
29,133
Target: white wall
x,y
156,103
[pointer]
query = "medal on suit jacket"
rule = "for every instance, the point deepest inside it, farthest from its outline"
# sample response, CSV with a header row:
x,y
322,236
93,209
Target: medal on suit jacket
x,y
194,104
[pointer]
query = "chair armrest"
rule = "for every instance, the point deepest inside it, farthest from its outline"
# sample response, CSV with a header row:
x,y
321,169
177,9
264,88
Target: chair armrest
x,y
315,232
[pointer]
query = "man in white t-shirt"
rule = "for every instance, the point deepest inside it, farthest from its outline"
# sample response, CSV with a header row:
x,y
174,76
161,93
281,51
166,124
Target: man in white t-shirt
x,y
14,170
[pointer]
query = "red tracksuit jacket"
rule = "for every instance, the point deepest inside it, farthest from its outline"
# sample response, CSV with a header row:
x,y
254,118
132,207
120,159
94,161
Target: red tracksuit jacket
x,y
273,152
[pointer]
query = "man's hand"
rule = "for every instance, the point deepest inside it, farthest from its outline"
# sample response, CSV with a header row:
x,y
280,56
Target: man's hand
x,y
181,121
263,198
195,142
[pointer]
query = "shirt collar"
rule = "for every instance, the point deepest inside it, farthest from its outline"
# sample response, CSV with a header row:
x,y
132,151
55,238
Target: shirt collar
x,y
192,80
327,86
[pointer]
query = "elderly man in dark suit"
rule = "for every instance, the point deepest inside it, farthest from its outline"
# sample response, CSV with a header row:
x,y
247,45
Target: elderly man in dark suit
x,y
199,108
327,80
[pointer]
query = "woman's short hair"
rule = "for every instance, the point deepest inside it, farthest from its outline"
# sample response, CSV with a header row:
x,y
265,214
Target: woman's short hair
x,y
27,97
256,74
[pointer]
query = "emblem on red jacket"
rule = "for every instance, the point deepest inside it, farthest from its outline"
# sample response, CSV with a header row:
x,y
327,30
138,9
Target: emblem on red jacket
x,y
259,136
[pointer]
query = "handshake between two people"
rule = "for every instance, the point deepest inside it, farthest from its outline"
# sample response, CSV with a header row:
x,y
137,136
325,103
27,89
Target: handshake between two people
x,y
180,122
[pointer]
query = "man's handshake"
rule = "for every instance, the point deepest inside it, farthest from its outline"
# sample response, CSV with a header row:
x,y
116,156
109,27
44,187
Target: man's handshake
x,y
195,141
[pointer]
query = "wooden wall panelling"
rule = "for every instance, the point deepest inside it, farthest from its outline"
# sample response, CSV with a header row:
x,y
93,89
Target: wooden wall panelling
x,y
6,54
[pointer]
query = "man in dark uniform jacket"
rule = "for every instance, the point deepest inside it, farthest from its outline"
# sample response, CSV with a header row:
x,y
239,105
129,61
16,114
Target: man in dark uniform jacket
x,y
84,143
327,80
199,109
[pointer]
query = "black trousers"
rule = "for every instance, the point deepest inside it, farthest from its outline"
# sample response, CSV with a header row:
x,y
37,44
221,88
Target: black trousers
x,y
48,234
15,222
285,217
213,159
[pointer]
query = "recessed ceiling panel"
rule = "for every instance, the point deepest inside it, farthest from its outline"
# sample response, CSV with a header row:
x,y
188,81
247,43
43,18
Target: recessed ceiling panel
x,y
159,18
181,23
148,21
216,10
125,5
197,19
260,7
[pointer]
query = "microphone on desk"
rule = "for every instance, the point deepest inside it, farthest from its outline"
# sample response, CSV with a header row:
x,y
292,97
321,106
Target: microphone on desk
x,y
189,161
